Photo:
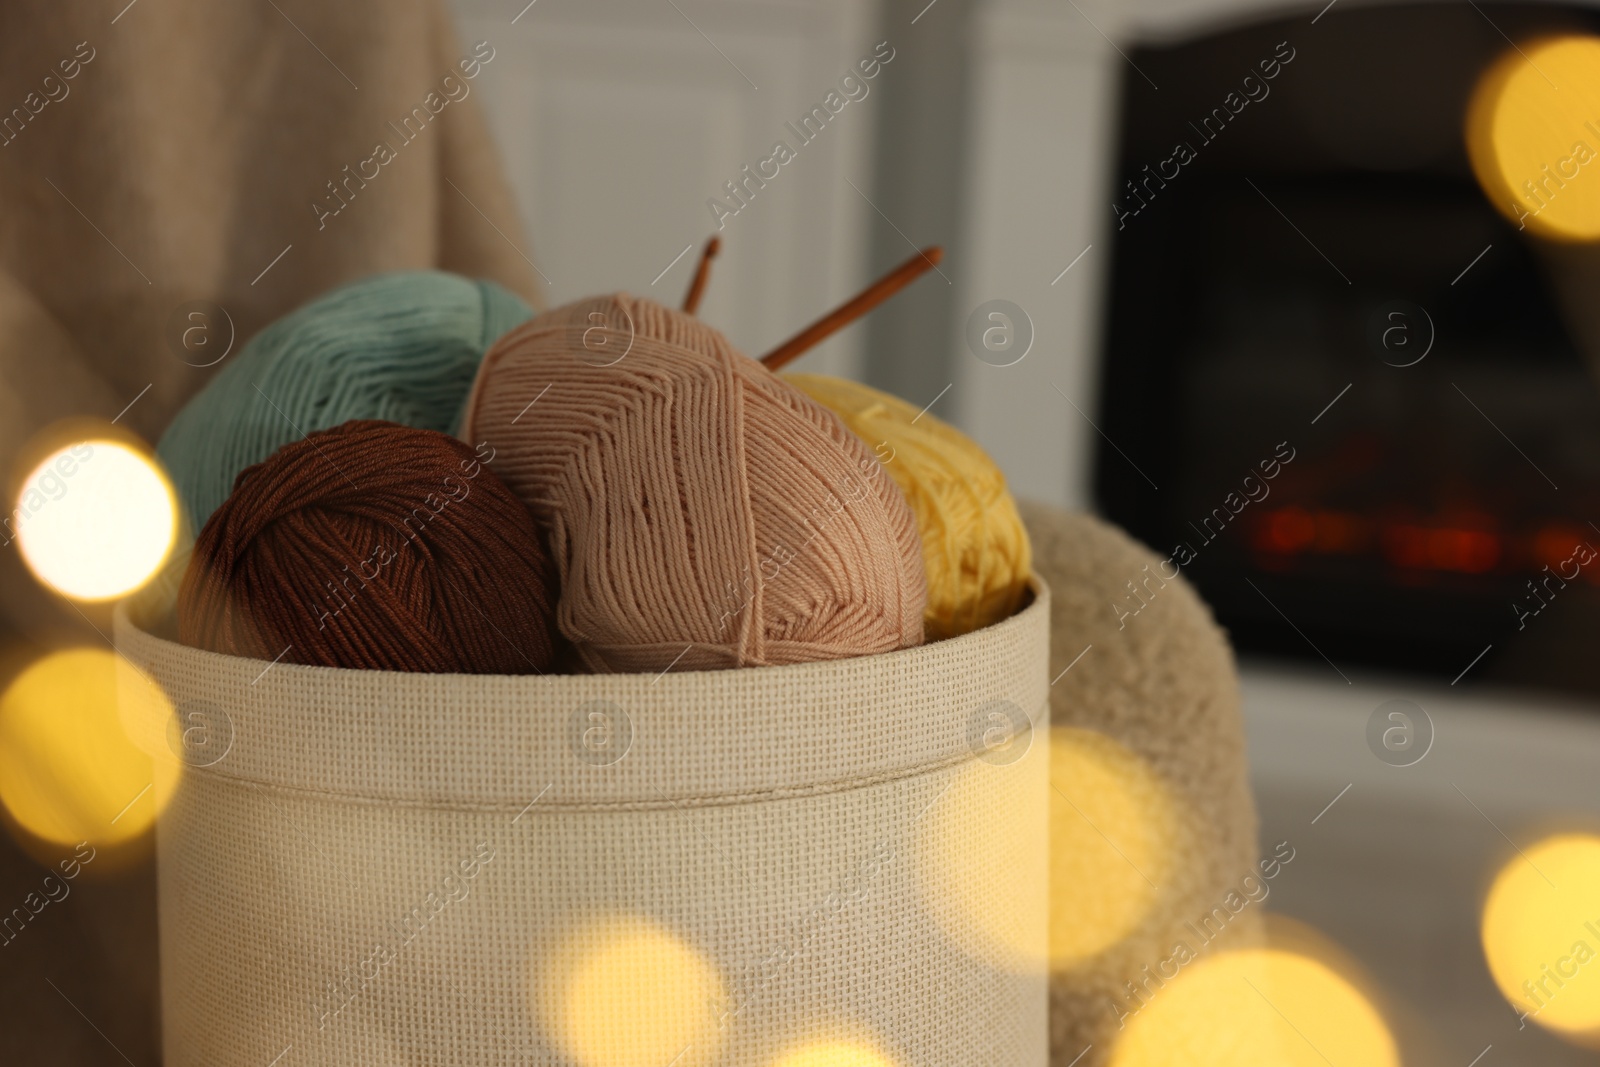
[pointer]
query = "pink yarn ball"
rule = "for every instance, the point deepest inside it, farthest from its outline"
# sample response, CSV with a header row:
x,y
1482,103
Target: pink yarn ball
x,y
701,511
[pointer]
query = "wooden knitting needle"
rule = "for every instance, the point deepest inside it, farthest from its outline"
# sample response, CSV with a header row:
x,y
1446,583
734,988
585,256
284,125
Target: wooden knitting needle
x,y
854,308
691,301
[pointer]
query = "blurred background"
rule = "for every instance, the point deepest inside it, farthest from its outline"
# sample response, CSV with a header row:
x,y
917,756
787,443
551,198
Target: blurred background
x,y
1300,295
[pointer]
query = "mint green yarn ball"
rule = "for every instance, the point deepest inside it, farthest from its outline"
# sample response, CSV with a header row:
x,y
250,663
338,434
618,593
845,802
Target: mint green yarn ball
x,y
398,347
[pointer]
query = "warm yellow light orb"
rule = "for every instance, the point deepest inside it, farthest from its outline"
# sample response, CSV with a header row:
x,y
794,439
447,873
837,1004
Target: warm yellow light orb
x,y
1256,1008
833,1054
95,520
631,994
68,771
1533,135
983,860
1113,830
1542,940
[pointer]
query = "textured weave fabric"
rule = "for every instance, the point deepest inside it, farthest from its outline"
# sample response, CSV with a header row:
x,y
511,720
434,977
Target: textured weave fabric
x,y
398,347
820,837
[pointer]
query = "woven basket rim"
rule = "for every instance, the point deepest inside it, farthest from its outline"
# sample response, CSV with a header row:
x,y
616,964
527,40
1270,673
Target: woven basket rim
x,y
129,614
692,738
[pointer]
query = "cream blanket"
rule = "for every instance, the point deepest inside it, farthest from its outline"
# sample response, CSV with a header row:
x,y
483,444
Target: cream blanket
x,y
1163,686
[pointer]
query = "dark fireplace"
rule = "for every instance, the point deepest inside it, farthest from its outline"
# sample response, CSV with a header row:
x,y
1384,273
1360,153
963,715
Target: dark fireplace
x,y
1315,286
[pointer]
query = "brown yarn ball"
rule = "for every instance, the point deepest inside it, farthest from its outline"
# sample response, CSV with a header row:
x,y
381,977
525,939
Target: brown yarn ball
x,y
374,546
701,511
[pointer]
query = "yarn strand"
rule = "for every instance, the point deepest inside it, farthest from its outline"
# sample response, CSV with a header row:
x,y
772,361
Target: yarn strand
x,y
701,512
374,546
975,549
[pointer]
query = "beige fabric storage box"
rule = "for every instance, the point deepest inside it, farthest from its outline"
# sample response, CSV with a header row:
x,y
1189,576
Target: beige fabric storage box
x,y
740,867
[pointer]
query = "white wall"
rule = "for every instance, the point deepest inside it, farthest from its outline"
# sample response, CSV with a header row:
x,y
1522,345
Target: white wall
x,y
1041,125
618,119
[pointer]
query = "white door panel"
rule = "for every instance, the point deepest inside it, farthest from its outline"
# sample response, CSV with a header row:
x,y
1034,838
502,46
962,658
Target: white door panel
x,y
619,119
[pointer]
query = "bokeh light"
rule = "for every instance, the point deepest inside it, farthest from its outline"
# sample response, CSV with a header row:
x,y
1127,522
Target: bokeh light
x,y
833,1054
1113,837
1266,1007
68,770
1541,933
983,860
95,520
1533,135
627,993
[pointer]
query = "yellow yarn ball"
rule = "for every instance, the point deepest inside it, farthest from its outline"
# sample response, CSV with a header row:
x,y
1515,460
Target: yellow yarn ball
x,y
974,546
